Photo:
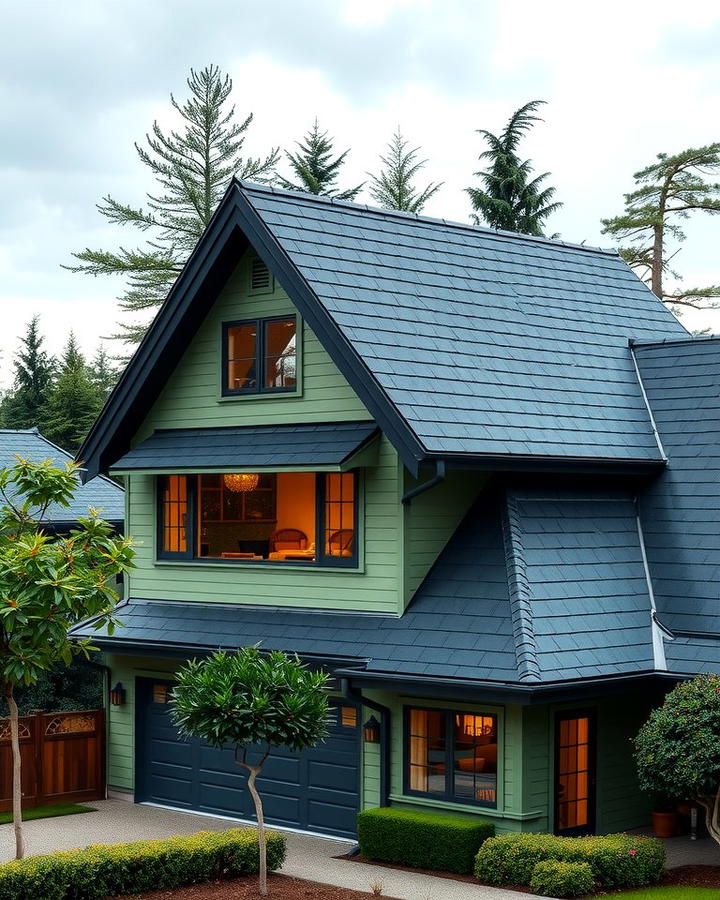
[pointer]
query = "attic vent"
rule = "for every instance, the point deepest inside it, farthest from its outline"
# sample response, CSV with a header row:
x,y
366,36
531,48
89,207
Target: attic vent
x,y
260,277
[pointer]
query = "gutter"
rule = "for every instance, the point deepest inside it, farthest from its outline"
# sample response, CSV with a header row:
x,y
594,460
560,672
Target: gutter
x,y
439,477
692,635
385,715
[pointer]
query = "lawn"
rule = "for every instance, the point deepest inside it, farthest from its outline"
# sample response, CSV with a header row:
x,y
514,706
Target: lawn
x,y
47,812
675,892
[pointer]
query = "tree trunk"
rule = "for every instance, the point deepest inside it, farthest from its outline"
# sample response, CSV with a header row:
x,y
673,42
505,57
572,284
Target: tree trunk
x,y
656,275
712,815
17,772
262,841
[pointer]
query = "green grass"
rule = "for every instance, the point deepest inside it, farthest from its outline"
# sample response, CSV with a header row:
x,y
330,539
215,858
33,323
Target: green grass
x,y
49,812
670,893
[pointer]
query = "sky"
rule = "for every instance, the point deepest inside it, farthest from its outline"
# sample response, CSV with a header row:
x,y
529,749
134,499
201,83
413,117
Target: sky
x,y
82,80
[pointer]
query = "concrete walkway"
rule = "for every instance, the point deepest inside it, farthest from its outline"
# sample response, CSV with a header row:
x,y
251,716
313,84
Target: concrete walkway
x,y
309,857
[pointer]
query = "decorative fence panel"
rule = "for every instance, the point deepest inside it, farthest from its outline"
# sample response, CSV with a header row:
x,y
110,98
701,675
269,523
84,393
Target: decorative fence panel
x,y
63,758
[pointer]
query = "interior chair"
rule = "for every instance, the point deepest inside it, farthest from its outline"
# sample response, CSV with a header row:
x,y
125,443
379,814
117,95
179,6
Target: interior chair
x,y
340,543
288,539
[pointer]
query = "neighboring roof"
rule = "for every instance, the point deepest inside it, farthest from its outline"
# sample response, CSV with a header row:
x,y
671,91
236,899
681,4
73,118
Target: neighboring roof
x,y
322,444
101,493
460,341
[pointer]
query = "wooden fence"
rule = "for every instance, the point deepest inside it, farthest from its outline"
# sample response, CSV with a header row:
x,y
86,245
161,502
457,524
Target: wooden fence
x,y
63,758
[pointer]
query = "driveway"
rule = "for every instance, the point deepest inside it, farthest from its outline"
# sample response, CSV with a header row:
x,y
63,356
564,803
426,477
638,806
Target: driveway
x,y
308,857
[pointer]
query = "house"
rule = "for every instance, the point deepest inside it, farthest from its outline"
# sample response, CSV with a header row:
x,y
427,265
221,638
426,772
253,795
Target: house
x,y
472,474
101,493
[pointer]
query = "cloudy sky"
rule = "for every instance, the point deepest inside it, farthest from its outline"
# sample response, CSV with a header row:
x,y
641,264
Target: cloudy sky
x,y
81,81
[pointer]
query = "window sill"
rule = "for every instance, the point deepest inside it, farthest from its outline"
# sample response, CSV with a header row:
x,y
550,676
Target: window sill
x,y
259,566
474,808
266,395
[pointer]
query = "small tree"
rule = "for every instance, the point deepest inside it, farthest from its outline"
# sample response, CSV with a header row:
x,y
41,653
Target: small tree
x,y
393,187
247,700
47,585
678,749
314,167
23,404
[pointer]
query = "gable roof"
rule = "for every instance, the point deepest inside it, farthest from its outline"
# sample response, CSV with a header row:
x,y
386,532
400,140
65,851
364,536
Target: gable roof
x,y
462,342
101,493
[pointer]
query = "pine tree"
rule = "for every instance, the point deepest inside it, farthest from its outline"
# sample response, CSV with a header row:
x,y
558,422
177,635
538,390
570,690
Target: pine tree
x,y
73,403
103,373
314,167
510,198
22,406
192,168
393,187
666,193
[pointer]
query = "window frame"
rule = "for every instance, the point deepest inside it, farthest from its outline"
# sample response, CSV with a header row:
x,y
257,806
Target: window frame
x,y
447,796
336,562
190,527
261,323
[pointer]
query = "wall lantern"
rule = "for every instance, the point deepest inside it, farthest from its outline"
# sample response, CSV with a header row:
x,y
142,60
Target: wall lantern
x,y
371,731
117,695
242,482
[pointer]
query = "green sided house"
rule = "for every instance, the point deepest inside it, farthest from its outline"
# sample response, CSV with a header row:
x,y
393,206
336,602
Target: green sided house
x,y
472,474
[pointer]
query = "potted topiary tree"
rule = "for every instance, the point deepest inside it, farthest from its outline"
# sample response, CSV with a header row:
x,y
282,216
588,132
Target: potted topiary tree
x,y
249,702
676,750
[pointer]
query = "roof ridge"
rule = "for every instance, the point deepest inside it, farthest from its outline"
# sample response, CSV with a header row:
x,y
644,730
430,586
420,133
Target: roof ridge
x,y
33,430
429,220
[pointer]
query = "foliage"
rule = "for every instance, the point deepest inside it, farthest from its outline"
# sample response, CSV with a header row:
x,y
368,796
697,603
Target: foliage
x,y
77,686
105,870
616,860
314,167
393,187
22,405
103,373
666,193
445,843
676,750
510,199
192,168
554,878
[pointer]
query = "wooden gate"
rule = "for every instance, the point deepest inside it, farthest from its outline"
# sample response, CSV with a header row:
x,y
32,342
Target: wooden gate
x,y
63,758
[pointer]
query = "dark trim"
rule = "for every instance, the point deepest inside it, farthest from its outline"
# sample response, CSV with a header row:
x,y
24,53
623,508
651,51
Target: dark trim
x,y
448,796
191,494
586,465
591,715
261,324
385,736
438,478
323,559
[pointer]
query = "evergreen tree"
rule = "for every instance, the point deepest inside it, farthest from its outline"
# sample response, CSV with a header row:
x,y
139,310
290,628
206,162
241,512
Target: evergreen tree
x,y
666,193
73,403
103,373
22,406
192,168
510,198
314,167
393,187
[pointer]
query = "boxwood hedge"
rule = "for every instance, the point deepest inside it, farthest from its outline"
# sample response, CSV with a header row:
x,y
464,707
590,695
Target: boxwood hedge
x,y
446,843
104,870
553,878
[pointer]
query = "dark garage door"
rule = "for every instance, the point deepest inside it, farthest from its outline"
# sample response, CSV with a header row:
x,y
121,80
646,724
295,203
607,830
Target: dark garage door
x,y
316,790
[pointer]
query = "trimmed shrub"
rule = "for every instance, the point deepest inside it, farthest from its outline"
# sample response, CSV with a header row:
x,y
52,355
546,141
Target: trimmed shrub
x,y
616,860
553,878
105,870
445,843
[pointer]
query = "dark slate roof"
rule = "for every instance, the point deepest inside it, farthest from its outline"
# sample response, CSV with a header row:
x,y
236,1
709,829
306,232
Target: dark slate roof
x,y
327,443
101,493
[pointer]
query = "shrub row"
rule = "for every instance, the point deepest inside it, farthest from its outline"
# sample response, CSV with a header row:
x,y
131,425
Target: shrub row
x,y
104,870
615,860
553,878
427,840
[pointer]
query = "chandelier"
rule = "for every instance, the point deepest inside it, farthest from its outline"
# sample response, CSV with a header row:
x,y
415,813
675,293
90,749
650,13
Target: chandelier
x,y
241,483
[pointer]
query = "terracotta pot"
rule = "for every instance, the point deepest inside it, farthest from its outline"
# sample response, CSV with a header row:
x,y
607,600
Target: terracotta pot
x,y
664,824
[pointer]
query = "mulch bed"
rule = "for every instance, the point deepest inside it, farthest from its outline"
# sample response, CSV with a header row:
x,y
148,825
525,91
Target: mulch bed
x,y
280,887
693,876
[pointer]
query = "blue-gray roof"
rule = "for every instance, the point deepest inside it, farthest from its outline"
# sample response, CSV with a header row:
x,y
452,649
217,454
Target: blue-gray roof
x,y
101,493
311,444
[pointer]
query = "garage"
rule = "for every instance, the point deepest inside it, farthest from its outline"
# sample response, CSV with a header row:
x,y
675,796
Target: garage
x,y
315,790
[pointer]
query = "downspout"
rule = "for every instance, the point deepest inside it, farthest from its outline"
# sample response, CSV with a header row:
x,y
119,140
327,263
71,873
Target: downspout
x,y
350,693
426,485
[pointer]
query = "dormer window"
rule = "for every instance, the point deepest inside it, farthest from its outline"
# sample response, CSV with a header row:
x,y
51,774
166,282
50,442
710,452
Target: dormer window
x,y
260,356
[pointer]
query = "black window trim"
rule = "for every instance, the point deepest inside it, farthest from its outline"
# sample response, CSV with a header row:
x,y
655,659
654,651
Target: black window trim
x,y
261,324
447,796
162,553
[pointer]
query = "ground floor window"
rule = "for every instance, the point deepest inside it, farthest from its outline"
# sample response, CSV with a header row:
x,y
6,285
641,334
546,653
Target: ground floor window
x,y
451,755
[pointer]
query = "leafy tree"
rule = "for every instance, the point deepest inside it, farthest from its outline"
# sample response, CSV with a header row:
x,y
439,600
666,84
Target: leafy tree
x,y
676,750
192,168
510,198
315,168
77,686
73,402
393,187
47,585
250,702
22,405
666,193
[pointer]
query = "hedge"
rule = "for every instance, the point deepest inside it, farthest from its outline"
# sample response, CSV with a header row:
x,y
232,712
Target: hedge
x,y
105,870
553,878
445,843
616,860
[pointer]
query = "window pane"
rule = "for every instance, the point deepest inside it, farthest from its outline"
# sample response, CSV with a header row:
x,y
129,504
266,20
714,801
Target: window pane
x,y
280,354
175,511
340,514
573,788
426,766
475,758
242,357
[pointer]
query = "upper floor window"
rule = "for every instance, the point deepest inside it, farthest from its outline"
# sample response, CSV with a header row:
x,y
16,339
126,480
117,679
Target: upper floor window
x,y
260,356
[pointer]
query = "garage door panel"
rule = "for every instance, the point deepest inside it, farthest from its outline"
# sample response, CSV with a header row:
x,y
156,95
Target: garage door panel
x,y
329,775
331,818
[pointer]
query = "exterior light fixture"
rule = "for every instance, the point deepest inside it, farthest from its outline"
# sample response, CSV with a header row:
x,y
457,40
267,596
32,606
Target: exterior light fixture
x,y
117,695
371,731
242,482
